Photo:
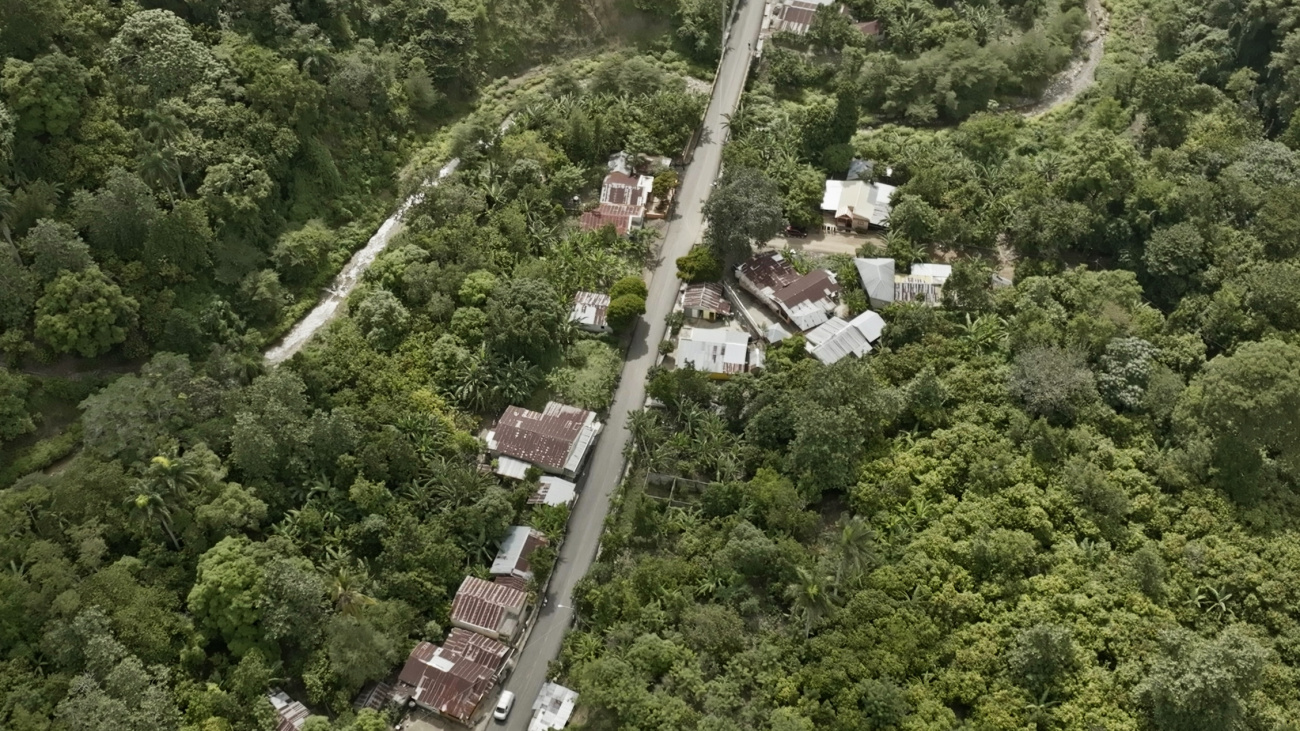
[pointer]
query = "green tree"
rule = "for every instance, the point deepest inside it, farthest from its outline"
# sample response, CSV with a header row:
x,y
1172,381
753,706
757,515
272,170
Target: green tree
x,y
632,285
1197,683
150,506
1052,383
1042,655
15,421
84,312
526,318
226,599
744,209
383,319
700,265
55,247
476,287
811,597
47,94
155,50
119,217
299,255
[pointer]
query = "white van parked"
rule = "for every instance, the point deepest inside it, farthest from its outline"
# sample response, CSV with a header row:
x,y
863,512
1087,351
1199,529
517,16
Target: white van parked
x,y
504,703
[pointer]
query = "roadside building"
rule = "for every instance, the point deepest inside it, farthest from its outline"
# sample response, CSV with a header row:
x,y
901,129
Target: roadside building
x,y
838,338
555,441
623,201
452,680
589,310
553,707
705,301
721,353
877,277
857,204
290,715
492,610
512,557
552,490
804,301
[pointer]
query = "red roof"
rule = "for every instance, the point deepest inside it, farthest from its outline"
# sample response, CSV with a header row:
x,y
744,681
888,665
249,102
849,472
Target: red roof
x,y
512,581
769,270
869,28
815,285
706,296
485,605
542,439
453,679
619,189
610,214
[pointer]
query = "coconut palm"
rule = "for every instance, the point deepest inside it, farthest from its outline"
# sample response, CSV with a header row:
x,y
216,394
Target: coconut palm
x,y
855,543
158,168
811,597
348,584
177,476
149,506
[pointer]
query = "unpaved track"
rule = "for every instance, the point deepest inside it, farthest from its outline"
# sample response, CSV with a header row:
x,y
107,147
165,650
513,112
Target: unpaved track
x,y
1081,72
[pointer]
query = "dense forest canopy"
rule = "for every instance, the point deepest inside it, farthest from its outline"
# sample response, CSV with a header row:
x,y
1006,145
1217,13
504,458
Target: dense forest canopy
x,y
1066,504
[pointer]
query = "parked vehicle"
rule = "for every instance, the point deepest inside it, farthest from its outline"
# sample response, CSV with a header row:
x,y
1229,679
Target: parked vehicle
x,y
795,233
504,704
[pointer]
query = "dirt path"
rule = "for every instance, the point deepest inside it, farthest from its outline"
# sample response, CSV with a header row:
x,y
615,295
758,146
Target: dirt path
x,y
1082,71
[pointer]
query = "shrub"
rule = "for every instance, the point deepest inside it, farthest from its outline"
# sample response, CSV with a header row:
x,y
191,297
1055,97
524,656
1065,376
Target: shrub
x,y
624,310
700,265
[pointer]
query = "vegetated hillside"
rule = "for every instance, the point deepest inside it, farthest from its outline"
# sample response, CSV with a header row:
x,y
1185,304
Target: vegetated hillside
x,y
1070,504
222,528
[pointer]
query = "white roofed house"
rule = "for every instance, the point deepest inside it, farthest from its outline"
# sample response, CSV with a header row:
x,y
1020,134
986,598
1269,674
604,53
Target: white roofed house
x,y
718,352
924,283
838,338
512,557
877,276
857,203
589,310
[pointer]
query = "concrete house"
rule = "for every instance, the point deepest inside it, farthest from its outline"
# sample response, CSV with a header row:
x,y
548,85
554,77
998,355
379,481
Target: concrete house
x,y
705,301
623,202
858,204
719,352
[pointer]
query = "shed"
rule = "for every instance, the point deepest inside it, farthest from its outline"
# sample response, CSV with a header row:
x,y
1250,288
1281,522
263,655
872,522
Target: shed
x,y
589,310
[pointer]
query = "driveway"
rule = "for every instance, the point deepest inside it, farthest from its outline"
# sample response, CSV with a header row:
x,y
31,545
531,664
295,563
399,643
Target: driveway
x,y
606,466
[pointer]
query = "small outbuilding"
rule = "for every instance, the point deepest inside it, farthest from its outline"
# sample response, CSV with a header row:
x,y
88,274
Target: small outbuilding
x,y
705,301
588,313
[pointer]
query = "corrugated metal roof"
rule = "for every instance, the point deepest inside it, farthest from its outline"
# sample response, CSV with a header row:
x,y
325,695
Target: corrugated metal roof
x,y
706,296
552,708
877,277
547,440
290,714
837,338
482,605
589,309
553,490
453,679
622,218
768,272
374,696
512,558
514,582
713,351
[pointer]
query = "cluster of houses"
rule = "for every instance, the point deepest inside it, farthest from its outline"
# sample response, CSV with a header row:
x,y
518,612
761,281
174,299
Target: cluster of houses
x,y
796,16
488,617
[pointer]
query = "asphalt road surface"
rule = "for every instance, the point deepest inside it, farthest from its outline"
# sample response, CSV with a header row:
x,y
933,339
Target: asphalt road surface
x,y
606,465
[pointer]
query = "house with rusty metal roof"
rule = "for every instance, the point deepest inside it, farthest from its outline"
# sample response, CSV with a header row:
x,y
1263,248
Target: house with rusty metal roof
x,y
290,715
492,610
623,202
556,441
589,310
705,301
810,300
452,680
512,557
805,301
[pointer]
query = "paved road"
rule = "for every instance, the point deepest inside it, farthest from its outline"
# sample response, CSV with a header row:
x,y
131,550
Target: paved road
x,y
606,466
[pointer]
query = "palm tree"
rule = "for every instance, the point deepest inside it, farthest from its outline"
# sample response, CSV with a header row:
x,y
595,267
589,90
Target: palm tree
x,y
855,543
158,168
811,597
348,585
7,211
148,505
175,476
645,428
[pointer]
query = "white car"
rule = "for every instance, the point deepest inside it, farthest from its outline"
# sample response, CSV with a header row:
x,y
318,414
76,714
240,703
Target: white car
x,y
504,703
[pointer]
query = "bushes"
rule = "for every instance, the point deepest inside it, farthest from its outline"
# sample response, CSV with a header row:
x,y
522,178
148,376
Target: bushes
x,y
700,265
624,310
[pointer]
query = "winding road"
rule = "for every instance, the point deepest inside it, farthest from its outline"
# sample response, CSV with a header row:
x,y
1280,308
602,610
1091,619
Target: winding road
x,y
606,467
